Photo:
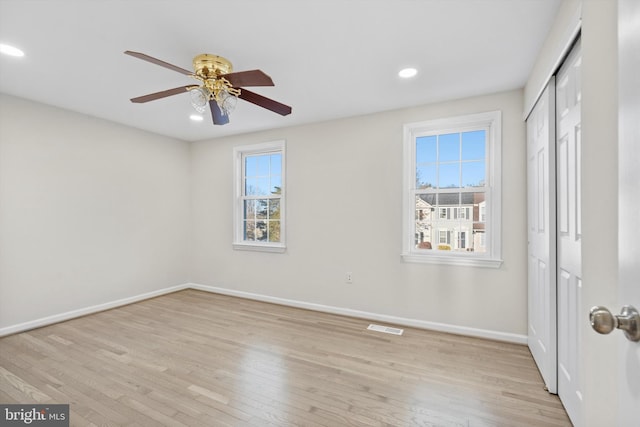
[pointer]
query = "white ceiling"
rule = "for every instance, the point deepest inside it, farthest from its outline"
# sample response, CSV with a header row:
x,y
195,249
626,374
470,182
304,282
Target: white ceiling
x,y
328,58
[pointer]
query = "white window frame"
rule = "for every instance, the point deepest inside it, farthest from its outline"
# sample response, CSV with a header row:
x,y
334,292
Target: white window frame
x,y
239,153
492,123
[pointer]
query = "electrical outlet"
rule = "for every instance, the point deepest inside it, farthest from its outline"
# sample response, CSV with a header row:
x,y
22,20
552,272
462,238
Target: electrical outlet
x,y
348,277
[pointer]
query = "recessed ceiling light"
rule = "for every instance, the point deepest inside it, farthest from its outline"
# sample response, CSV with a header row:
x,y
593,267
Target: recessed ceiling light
x,y
407,73
10,50
196,117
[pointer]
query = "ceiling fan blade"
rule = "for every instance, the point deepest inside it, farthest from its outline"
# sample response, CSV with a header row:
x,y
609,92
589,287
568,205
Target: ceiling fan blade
x,y
159,62
163,94
248,78
264,102
216,113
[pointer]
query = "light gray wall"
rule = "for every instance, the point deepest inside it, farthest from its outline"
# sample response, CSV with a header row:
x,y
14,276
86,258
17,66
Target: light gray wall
x,y
90,211
344,212
556,45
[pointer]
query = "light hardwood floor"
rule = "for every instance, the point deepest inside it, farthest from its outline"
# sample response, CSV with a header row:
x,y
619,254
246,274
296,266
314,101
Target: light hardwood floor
x,y
200,359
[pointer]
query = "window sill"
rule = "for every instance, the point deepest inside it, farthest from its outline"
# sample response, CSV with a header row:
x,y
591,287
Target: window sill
x,y
452,260
276,248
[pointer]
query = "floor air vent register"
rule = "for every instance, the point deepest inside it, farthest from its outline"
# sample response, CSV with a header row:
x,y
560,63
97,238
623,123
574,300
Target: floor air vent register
x,y
385,329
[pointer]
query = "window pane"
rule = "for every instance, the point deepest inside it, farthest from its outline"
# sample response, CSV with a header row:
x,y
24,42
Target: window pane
x,y
250,166
274,209
261,208
251,186
444,240
449,147
249,230
274,231
452,220
249,209
473,145
426,176
261,230
479,206
263,165
426,149
448,199
276,164
276,184
423,223
473,174
478,235
449,176
479,240
479,210
262,187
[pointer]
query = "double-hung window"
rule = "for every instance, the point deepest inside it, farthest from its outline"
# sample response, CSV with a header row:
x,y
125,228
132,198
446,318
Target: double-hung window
x,y
452,190
260,197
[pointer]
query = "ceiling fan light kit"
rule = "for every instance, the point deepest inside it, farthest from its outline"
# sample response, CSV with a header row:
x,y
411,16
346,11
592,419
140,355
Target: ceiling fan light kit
x,y
219,86
200,98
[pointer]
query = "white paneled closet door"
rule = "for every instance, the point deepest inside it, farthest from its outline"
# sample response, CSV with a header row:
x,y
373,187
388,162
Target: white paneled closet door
x,y
554,234
569,233
541,235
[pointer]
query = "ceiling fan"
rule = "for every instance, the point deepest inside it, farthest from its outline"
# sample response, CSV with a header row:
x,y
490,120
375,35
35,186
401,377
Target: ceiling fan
x,y
219,86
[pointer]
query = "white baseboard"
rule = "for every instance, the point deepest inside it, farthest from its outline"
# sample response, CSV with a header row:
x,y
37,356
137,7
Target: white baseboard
x,y
403,321
44,321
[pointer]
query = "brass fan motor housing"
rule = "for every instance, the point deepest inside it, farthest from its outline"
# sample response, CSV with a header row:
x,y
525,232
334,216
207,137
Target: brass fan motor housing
x,y
207,66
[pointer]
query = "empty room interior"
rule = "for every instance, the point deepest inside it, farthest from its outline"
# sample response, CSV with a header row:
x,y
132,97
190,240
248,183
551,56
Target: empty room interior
x,y
321,213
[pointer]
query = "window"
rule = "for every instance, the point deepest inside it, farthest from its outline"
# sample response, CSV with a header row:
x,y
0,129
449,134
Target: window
x,y
462,213
260,197
452,168
462,242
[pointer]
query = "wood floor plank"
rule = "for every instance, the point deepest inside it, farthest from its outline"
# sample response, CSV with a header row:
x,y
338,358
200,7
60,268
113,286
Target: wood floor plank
x,y
193,358
13,384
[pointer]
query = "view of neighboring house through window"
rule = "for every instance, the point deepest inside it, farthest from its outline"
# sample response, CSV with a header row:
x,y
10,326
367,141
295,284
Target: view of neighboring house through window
x,y
259,204
452,179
